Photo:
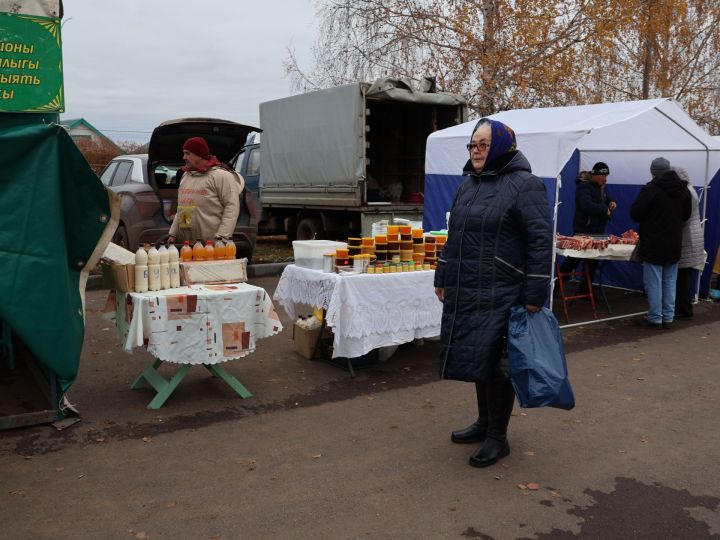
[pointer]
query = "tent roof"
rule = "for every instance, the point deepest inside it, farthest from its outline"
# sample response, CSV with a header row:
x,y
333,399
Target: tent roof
x,y
549,136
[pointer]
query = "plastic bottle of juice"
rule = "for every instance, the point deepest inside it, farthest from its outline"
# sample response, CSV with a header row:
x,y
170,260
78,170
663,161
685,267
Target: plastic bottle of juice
x,y
164,255
141,270
154,283
173,257
186,253
219,250
230,250
209,250
198,251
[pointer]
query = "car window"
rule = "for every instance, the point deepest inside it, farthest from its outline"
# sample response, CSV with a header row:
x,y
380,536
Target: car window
x,y
122,173
239,161
108,173
253,167
167,176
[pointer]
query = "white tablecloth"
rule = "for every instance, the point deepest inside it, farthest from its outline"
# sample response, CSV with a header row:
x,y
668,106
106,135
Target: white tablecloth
x,y
199,324
614,252
365,311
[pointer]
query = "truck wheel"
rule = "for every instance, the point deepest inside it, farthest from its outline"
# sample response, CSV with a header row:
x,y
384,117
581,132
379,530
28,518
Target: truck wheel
x,y
309,229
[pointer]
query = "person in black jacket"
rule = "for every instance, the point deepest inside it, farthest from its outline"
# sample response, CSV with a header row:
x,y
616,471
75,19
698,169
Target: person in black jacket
x,y
662,208
593,208
498,255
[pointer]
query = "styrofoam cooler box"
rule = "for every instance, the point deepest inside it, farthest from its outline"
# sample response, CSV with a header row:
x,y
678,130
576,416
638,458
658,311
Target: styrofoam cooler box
x,y
309,253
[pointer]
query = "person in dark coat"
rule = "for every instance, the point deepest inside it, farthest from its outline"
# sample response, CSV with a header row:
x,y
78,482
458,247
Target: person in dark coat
x,y
661,208
593,208
498,255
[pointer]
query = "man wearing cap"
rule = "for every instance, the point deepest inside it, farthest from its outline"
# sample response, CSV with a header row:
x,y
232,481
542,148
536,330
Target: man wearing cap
x,y
208,196
661,208
593,208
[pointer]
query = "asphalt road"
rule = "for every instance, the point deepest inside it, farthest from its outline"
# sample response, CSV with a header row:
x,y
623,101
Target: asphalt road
x,y
315,454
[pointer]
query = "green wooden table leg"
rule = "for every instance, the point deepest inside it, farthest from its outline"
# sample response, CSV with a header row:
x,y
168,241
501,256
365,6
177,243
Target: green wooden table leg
x,y
142,379
168,388
229,379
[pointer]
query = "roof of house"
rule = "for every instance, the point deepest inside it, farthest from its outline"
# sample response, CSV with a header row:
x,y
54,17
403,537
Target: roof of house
x,y
81,122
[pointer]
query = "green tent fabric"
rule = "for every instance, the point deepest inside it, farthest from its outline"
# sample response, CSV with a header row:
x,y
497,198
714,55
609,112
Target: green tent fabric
x,y
53,211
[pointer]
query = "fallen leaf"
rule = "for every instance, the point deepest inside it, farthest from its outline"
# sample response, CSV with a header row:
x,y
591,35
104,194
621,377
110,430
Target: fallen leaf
x,y
523,414
622,451
555,493
80,476
505,466
17,492
497,478
371,397
27,457
147,439
522,486
171,504
59,469
533,486
317,456
141,535
99,440
640,378
529,453
248,463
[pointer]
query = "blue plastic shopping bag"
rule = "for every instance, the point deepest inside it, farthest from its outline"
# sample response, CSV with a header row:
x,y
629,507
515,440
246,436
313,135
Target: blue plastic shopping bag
x,y
536,357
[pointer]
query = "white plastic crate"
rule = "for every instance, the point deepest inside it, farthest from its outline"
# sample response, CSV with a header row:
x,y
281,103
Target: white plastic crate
x,y
309,253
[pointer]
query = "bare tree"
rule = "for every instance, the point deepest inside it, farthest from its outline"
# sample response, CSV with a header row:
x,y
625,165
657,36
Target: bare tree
x,y
504,54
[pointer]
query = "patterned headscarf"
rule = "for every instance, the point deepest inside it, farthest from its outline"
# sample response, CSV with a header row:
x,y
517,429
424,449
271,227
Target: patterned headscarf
x,y
502,139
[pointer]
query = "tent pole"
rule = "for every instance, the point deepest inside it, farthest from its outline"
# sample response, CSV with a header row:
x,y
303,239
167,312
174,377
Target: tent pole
x,y
558,183
703,219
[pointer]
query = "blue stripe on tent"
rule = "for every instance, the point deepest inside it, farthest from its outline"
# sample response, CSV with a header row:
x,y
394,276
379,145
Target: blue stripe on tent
x,y
712,230
440,191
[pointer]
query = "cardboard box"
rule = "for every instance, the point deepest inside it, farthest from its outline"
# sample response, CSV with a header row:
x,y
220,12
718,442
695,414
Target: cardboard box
x,y
123,277
213,272
305,341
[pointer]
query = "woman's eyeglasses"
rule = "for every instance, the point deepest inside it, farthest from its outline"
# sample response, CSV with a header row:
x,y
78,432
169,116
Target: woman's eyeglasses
x,y
482,146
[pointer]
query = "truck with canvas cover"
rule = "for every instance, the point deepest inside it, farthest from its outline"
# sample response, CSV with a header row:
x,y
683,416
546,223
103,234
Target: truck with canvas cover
x,y
335,161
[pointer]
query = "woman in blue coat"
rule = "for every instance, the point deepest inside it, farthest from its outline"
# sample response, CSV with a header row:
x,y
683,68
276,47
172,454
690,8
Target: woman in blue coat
x,y
498,255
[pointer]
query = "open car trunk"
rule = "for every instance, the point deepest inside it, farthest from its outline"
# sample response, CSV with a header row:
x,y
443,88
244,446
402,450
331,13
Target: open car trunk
x,y
225,139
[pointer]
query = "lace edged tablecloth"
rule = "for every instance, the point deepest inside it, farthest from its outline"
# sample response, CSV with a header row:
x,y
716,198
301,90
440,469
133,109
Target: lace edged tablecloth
x,y
200,324
614,252
365,311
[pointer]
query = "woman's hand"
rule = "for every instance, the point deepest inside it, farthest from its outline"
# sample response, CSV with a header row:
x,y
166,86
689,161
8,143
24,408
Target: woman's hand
x,y
531,308
171,239
440,293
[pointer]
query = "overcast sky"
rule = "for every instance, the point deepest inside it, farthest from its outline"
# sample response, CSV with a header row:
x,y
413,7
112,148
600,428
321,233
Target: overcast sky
x,y
129,67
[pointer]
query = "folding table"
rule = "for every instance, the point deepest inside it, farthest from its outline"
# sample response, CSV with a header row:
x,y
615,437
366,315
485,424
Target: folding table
x,y
196,325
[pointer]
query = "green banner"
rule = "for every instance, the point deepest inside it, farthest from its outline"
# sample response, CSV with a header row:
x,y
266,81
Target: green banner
x,y
30,64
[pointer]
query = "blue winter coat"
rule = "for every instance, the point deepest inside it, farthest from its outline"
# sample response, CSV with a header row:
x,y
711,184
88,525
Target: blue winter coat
x,y
498,255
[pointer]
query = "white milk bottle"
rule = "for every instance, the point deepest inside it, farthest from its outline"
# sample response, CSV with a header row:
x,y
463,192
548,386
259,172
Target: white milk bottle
x,y
154,282
141,270
164,267
174,258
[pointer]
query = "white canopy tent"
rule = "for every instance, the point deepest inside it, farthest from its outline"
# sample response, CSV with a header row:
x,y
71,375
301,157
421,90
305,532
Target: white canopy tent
x,y
627,136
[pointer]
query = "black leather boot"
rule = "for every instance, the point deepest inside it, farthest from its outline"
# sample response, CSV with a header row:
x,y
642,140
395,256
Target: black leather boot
x,y
500,400
475,432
